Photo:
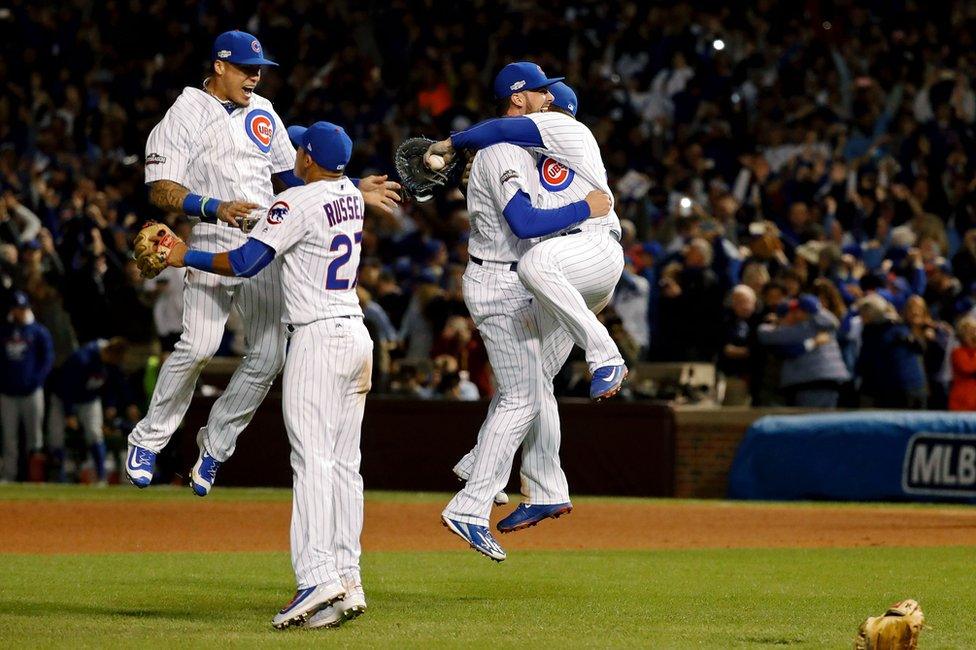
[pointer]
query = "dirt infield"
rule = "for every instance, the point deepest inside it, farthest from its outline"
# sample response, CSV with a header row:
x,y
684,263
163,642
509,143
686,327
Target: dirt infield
x,y
143,526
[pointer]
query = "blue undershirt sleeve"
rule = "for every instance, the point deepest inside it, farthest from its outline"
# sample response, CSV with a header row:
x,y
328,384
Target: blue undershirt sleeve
x,y
250,258
520,131
527,221
289,179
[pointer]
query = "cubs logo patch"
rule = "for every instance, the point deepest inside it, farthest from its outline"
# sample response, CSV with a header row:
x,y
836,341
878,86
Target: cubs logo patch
x,y
256,46
277,212
260,127
554,176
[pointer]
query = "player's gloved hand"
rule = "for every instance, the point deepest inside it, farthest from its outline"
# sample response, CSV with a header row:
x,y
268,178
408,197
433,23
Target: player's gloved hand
x,y
233,212
157,247
444,149
600,204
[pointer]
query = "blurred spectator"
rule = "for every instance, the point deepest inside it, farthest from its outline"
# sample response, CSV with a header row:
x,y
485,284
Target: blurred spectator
x,y
25,362
890,363
454,383
962,396
165,293
691,305
76,400
805,336
632,302
737,358
933,336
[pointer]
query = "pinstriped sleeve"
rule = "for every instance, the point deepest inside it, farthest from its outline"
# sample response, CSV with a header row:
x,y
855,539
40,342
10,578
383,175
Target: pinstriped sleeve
x,y
169,148
506,168
282,151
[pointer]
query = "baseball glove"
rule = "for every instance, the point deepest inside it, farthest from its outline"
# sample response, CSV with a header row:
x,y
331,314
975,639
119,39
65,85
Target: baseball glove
x,y
417,179
896,629
152,246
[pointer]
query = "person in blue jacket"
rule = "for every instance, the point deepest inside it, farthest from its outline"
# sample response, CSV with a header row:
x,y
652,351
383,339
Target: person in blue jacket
x,y
76,399
26,358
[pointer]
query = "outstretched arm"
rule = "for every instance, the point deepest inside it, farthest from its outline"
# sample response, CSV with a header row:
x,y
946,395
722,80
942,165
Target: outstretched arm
x,y
242,262
520,131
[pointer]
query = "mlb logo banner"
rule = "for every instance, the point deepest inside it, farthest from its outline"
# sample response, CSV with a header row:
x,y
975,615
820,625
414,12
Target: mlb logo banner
x,y
940,464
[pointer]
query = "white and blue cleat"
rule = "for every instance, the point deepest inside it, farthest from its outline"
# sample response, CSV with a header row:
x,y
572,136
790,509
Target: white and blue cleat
x,y
140,463
307,602
351,606
526,515
478,537
607,381
204,473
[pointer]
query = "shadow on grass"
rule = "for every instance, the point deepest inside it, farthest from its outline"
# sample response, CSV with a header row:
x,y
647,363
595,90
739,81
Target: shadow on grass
x,y
38,609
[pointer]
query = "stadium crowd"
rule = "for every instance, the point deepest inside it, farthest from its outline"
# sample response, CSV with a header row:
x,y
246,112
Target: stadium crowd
x,y
797,184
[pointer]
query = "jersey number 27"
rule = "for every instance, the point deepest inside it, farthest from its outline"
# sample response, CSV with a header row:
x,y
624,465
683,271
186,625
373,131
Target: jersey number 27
x,y
332,280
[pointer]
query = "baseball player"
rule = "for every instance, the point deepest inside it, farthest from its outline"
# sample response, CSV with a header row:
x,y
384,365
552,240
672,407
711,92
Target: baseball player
x,y
573,275
524,343
584,267
314,232
26,359
215,145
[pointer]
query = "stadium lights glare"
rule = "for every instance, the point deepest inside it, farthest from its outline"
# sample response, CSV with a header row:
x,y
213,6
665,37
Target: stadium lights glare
x,y
718,44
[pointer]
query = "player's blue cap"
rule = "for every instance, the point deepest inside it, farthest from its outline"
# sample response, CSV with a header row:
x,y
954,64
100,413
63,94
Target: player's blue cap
x,y
519,76
240,48
327,143
21,300
563,97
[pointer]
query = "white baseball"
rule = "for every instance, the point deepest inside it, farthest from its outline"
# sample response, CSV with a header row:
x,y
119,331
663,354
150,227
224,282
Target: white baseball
x,y
435,162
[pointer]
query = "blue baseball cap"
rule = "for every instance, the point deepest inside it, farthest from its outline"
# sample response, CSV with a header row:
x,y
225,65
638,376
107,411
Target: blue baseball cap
x,y
563,97
327,143
240,48
519,76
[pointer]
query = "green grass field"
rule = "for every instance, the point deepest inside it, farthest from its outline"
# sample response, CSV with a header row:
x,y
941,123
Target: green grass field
x,y
731,598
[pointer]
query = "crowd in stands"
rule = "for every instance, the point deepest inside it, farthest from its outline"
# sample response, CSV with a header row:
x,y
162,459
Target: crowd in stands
x,y
797,189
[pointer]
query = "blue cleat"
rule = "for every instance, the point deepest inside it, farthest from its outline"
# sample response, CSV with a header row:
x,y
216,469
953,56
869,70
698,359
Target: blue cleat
x,y
526,515
307,602
606,381
139,466
204,473
478,537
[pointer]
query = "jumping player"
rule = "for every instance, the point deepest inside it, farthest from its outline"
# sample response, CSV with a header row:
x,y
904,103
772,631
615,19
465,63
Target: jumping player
x,y
314,232
213,156
520,338
572,276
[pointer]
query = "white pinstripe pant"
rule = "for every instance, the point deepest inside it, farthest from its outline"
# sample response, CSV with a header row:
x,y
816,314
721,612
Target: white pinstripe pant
x,y
207,301
573,278
525,348
327,376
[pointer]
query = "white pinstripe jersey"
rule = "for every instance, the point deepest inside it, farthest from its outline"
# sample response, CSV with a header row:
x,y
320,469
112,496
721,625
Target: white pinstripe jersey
x,y
225,156
497,173
317,229
569,164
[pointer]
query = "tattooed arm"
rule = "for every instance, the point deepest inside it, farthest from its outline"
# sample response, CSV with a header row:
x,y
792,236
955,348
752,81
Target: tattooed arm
x,y
171,197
